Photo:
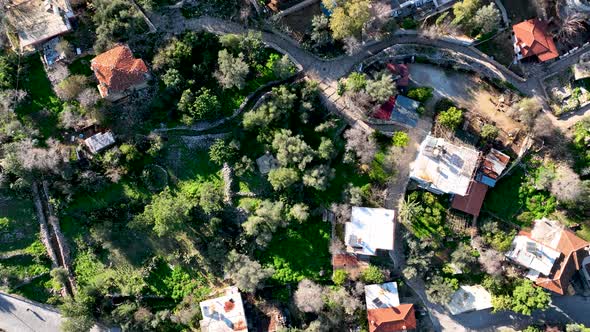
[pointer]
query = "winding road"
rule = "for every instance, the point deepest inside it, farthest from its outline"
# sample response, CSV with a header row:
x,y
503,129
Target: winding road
x,y
327,72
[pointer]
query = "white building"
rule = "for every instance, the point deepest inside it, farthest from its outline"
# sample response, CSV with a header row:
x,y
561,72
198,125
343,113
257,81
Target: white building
x,y
444,168
381,295
470,298
225,313
368,230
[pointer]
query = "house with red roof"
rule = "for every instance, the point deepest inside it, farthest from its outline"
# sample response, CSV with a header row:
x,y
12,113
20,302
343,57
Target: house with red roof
x,y
551,253
531,38
119,73
384,311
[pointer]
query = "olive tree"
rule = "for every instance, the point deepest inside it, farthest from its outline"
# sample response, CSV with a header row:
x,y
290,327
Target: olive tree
x,y
231,70
247,274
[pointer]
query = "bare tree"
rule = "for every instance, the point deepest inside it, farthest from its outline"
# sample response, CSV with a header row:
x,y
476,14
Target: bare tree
x,y
88,97
567,185
342,212
571,27
359,142
491,261
308,296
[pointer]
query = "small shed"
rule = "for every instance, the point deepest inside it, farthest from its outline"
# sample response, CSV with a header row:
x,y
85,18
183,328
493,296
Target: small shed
x,y
98,142
266,163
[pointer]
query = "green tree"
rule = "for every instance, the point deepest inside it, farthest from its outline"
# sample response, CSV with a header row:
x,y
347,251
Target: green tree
x,y
299,212
282,177
451,118
281,66
576,328
205,105
372,275
232,70
166,212
222,151
277,108
348,19
210,198
318,177
339,277
356,82
381,88
487,18
7,72
421,94
463,257
401,139
326,150
172,79
465,10
115,20
489,132
78,312
265,220
525,298
247,274
440,290
320,34
292,150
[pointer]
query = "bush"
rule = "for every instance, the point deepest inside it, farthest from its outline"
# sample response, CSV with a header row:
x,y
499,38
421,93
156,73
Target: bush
x,y
409,24
451,118
372,275
489,132
422,94
339,277
400,139
356,82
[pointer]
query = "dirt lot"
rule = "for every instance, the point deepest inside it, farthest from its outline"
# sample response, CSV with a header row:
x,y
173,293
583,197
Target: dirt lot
x,y
299,23
469,93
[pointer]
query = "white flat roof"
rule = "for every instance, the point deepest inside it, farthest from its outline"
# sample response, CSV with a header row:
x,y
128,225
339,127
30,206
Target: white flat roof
x,y
225,313
470,298
381,295
368,230
532,254
443,167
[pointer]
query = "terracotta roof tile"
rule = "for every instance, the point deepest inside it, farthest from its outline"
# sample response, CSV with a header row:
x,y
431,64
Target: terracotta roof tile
x,y
533,39
400,318
117,70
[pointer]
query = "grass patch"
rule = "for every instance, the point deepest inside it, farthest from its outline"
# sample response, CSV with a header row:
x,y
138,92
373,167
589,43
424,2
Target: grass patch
x,y
175,282
503,200
22,228
38,290
299,252
81,66
43,106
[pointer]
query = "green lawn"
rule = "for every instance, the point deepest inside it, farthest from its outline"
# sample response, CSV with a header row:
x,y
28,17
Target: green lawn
x,y
22,228
298,252
42,107
503,200
81,66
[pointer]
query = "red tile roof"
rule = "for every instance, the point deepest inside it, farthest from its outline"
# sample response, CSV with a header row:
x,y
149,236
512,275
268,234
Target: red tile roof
x,y
402,70
532,39
472,202
117,70
400,318
385,110
573,250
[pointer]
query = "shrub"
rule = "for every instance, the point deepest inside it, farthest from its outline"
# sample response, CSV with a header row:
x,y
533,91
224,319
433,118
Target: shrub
x,y
356,82
339,277
489,132
400,139
451,118
409,24
422,94
372,275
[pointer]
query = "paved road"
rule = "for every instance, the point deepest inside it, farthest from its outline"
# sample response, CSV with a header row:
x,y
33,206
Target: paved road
x,y
19,315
